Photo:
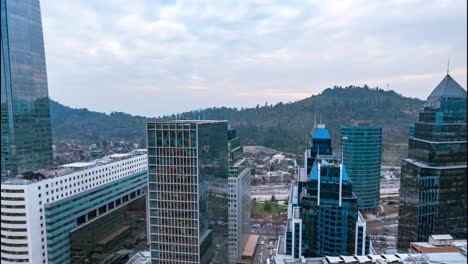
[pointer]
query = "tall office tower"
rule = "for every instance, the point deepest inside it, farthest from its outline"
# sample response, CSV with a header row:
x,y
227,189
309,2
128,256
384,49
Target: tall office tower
x,y
182,157
434,176
361,145
25,129
239,198
43,210
323,218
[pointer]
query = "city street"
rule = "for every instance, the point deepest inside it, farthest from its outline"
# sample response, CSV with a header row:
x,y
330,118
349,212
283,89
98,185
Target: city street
x,y
264,251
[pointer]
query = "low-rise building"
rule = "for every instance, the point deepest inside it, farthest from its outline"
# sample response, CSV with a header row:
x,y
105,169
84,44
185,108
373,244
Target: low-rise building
x,y
41,209
438,244
440,258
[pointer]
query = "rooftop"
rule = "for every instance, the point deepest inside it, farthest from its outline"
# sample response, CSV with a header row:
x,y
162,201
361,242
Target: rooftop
x,y
328,161
188,121
66,169
426,166
249,248
441,237
320,132
448,87
141,257
440,258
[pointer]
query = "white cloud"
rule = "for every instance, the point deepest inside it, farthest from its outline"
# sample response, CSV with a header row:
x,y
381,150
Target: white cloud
x,y
241,53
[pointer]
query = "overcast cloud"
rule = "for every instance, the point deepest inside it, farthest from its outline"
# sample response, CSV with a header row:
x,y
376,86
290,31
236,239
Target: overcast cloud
x,y
162,57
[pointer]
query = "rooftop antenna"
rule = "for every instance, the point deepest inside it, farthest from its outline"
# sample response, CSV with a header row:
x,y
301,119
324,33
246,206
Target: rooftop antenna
x,y
448,66
315,119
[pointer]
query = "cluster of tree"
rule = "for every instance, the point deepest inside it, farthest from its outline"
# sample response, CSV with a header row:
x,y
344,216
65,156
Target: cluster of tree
x,y
268,205
284,126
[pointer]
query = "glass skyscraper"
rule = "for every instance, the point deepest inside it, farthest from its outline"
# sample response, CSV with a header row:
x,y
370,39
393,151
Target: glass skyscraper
x,y
323,218
25,129
182,157
434,176
362,154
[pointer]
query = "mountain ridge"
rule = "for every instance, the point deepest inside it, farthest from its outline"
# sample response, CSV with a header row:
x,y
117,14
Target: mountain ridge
x,y
283,126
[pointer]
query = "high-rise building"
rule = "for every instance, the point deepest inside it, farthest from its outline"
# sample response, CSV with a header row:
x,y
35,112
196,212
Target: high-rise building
x,y
323,218
182,157
41,210
361,145
239,199
25,118
433,180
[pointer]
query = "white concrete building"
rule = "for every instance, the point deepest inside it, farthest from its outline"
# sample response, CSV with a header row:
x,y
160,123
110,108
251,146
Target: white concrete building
x,y
40,209
239,210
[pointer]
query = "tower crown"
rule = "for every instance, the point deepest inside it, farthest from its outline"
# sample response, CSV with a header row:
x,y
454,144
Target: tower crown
x,y
448,87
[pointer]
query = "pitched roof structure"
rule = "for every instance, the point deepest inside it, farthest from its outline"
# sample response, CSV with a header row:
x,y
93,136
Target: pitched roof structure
x,y
448,87
320,132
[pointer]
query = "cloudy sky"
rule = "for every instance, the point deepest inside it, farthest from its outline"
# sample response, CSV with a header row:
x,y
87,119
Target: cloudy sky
x,y
162,57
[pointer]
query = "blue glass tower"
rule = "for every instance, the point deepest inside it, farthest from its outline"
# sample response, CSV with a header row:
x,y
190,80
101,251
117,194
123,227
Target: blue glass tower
x,y
362,155
25,129
433,186
323,218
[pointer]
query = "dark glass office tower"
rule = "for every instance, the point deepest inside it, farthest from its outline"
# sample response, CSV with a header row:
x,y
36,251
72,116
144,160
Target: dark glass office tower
x,y
362,154
25,129
433,177
183,156
323,218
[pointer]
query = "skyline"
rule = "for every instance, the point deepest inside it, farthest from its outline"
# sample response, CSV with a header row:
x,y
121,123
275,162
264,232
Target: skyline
x,y
166,58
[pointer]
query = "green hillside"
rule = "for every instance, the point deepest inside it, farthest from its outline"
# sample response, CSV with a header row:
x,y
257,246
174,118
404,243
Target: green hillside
x,y
284,126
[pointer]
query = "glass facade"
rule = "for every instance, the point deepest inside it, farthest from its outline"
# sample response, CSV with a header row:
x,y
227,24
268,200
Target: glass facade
x,y
362,155
70,214
25,118
324,206
182,157
329,212
433,186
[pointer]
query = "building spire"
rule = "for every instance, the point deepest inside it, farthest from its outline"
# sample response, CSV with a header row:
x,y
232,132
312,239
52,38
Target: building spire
x,y
448,66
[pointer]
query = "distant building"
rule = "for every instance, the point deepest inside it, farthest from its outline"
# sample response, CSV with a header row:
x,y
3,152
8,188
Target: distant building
x,y
438,244
433,188
239,199
323,218
362,154
400,258
182,157
26,139
42,210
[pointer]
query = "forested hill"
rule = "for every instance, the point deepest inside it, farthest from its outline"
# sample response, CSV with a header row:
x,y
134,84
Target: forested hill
x,y
284,126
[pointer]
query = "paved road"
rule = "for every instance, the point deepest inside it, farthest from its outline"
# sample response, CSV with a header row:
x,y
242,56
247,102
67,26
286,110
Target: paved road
x,y
263,252
220,238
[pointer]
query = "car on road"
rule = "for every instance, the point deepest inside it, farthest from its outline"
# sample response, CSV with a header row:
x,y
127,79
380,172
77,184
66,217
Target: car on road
x,y
262,242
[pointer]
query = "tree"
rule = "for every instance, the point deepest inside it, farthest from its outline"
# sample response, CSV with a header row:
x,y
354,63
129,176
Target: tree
x,y
286,201
267,206
273,199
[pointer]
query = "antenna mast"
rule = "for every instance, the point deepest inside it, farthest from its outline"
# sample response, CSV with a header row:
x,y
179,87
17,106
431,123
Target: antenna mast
x,y
448,66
